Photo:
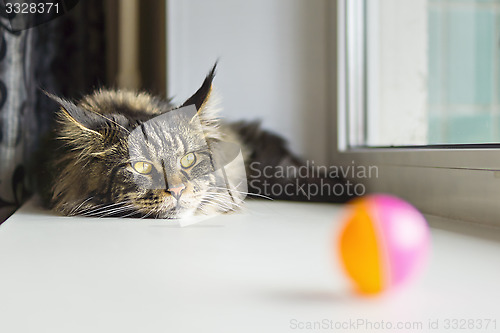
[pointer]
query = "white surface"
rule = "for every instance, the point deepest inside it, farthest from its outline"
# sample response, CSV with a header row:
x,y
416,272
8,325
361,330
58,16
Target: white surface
x,y
256,271
273,63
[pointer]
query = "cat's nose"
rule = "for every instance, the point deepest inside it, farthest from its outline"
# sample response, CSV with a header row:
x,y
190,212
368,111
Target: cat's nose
x,y
176,191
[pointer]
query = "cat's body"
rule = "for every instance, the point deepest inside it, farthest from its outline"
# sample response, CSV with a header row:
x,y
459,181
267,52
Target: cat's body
x,y
118,153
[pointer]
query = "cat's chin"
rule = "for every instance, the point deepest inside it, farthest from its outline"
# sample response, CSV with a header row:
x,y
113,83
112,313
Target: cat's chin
x,y
177,213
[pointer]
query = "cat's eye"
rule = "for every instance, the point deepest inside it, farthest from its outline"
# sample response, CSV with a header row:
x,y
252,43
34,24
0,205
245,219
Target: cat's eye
x,y
188,160
143,168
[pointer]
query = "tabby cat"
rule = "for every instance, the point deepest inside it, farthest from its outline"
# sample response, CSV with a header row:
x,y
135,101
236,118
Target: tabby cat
x,y
123,153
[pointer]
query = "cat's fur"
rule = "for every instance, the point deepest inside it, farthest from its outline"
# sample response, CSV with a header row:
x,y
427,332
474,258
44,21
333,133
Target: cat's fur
x,y
89,169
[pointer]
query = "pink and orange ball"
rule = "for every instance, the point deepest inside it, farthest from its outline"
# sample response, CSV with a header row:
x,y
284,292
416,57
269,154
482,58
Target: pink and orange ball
x,y
384,242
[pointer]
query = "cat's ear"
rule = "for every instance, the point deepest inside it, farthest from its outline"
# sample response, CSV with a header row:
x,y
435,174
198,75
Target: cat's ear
x,y
201,96
93,133
85,120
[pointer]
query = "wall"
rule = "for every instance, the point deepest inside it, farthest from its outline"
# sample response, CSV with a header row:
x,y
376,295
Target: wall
x,y
273,63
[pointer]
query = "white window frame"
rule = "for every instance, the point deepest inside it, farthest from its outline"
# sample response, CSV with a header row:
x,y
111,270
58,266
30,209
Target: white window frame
x,y
460,182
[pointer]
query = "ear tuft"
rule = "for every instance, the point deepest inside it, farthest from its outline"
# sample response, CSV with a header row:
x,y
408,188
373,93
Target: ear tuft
x,y
201,95
83,118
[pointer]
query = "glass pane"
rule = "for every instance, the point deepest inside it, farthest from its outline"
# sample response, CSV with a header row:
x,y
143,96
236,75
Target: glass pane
x,y
433,69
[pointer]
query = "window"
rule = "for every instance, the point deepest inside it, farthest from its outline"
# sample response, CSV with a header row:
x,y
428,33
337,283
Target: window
x,y
418,95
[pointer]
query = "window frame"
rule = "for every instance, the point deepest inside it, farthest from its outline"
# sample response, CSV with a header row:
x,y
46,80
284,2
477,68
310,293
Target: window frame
x,y
455,181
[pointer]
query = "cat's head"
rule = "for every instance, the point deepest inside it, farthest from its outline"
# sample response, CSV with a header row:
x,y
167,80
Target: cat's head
x,y
129,153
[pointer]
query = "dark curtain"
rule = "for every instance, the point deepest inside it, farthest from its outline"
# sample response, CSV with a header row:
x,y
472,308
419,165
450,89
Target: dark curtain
x,y
65,56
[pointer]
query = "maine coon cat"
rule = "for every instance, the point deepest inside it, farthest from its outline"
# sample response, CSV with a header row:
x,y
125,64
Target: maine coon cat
x,y
124,153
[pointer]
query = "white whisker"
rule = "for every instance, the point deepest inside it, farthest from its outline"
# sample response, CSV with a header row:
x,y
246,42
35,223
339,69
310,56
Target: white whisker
x,y
241,192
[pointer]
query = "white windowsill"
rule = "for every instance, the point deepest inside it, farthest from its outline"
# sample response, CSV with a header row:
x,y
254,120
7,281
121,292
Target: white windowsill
x,y
255,271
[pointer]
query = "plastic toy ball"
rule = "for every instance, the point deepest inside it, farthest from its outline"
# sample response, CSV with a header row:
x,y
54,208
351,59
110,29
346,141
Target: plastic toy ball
x,y
384,241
